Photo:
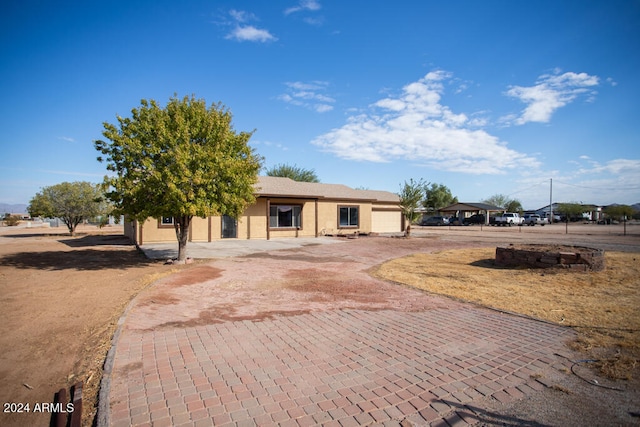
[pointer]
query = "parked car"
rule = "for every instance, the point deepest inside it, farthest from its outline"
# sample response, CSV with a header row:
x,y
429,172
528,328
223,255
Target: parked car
x,y
474,219
509,218
534,219
435,220
454,220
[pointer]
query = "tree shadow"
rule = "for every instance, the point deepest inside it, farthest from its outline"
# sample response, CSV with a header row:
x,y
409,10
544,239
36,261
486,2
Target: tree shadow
x,y
97,240
488,418
27,235
487,263
81,260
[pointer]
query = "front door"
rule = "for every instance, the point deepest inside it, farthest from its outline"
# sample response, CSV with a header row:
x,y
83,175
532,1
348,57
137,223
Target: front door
x,y
229,227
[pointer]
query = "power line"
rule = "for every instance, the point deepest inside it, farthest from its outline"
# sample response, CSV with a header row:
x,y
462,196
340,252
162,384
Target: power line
x,y
597,188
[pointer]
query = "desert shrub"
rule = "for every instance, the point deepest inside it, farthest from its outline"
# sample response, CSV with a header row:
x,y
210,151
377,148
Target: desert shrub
x,y
12,220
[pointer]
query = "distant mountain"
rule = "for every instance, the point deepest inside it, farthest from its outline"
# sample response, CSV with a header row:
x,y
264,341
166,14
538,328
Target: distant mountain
x,y
635,206
9,208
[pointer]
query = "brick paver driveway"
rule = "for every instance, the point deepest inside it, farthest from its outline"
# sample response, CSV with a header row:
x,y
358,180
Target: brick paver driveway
x,y
307,337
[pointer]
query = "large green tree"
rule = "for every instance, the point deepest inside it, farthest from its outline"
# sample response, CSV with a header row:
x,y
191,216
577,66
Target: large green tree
x,y
570,210
411,193
180,161
294,172
72,202
438,196
620,212
504,202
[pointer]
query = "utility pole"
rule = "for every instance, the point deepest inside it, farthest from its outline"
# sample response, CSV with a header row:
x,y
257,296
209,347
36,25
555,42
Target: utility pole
x,y
550,200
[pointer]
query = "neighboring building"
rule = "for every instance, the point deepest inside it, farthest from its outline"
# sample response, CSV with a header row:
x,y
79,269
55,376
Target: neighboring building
x,y
465,210
287,208
590,213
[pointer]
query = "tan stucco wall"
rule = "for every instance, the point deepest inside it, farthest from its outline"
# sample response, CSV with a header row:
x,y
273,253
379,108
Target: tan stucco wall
x,y
328,217
199,231
253,224
152,233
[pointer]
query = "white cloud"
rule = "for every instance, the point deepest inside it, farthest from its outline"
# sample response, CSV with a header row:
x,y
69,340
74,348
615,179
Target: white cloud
x,y
310,5
551,92
308,95
629,168
66,138
244,32
591,181
242,16
250,33
415,126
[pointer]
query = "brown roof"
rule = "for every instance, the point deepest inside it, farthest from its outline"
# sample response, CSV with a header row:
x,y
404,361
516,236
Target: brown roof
x,y
286,187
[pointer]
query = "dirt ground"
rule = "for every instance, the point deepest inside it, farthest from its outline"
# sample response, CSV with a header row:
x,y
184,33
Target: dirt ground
x,y
62,297
61,300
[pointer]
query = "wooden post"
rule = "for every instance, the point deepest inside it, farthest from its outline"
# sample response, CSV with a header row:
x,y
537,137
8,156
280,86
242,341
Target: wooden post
x,y
76,415
268,218
59,417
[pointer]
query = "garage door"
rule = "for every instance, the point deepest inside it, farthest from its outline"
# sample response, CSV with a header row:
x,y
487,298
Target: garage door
x,y
386,221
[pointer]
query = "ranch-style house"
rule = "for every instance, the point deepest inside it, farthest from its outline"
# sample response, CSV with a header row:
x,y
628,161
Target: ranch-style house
x,y
287,208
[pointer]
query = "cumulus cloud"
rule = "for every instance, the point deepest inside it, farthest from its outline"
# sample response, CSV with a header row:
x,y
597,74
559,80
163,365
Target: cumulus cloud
x,y
551,92
416,126
619,167
250,33
308,95
245,32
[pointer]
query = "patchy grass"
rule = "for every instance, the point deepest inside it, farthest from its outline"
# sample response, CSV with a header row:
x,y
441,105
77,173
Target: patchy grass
x,y
601,306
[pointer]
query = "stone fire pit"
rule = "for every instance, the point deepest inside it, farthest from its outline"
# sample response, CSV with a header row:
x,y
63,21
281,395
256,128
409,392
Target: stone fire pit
x,y
577,258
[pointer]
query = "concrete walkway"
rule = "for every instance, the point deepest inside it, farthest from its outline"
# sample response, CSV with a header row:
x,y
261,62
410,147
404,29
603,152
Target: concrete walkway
x,y
231,247
431,365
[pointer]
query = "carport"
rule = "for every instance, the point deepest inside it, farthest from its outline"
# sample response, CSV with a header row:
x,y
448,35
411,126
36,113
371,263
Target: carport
x,y
465,210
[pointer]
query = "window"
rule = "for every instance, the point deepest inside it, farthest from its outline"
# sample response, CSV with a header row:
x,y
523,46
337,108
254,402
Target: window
x,y
284,216
348,216
165,222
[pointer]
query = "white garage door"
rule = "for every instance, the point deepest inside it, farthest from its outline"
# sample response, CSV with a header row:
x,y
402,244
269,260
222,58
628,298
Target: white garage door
x,y
386,221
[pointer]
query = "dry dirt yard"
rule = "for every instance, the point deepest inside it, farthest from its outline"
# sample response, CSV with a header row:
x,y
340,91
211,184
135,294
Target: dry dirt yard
x,y
62,298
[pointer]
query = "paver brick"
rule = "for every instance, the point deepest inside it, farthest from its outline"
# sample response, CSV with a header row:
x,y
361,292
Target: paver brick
x,y
310,368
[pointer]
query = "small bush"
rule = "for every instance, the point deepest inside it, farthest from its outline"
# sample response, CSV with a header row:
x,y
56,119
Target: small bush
x,y
12,220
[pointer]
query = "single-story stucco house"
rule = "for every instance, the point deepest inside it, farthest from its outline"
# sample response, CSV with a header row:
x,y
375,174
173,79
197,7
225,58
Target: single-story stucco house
x,y
287,208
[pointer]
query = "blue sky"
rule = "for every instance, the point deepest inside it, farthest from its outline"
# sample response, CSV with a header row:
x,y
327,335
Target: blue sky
x,y
491,97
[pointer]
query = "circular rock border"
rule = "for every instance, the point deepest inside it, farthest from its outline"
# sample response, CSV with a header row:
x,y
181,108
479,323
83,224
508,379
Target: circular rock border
x,y
578,258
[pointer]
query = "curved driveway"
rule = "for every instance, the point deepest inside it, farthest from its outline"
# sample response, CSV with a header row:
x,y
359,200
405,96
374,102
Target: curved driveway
x,y
307,337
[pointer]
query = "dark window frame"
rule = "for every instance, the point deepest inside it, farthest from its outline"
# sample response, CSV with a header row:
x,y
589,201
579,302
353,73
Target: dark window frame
x,y
349,209
293,225
163,223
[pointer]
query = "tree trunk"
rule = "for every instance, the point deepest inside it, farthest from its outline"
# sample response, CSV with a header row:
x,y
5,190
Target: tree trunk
x,y
182,224
70,225
407,232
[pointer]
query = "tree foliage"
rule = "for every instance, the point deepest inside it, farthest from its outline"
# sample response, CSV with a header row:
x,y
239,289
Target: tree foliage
x,y
180,161
411,194
72,202
504,202
571,210
514,205
438,196
620,212
294,172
